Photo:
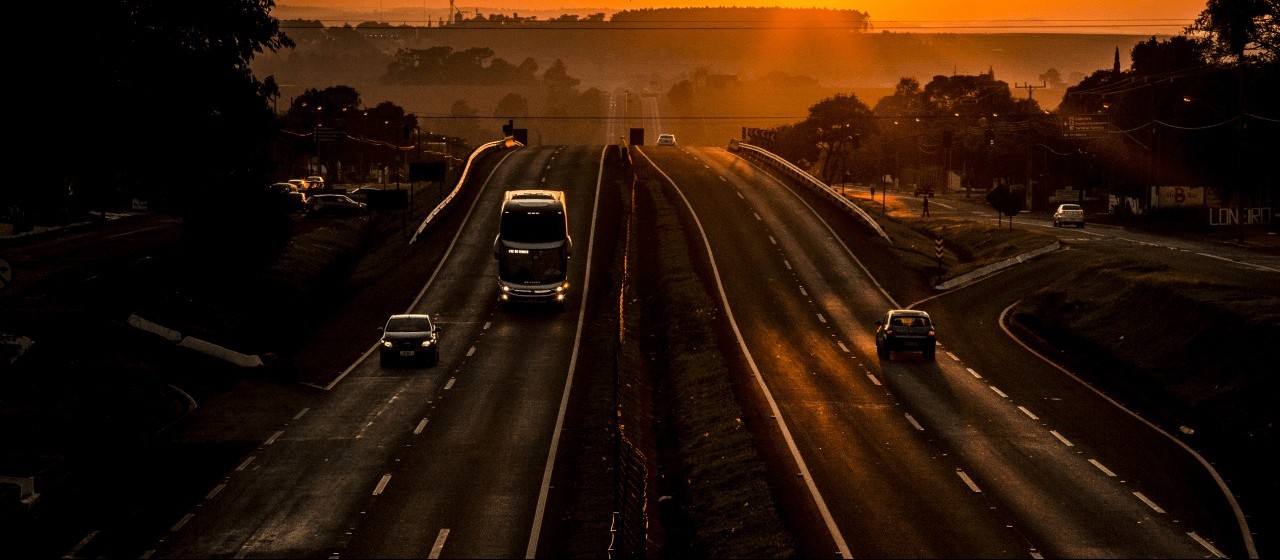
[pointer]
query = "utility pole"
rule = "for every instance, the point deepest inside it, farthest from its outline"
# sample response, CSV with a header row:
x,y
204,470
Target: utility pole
x,y
1030,90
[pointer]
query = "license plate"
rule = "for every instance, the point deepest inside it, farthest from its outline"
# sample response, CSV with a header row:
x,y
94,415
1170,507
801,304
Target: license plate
x,y
406,353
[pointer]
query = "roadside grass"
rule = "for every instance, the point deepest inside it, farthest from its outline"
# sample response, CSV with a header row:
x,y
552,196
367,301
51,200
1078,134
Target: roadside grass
x,y
1209,345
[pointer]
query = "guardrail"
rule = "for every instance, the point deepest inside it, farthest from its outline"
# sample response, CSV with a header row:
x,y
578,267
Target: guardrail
x,y
769,158
475,154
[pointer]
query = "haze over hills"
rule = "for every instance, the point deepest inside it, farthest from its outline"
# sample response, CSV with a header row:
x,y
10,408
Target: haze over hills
x,y
791,66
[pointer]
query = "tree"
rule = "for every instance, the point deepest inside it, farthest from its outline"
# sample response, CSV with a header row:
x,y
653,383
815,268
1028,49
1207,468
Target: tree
x,y
1239,30
838,124
167,87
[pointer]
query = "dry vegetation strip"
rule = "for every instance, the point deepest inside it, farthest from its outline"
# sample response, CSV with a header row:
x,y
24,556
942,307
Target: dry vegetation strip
x,y
713,469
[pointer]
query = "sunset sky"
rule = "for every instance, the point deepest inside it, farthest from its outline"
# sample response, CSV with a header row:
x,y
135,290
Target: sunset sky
x,y
1144,16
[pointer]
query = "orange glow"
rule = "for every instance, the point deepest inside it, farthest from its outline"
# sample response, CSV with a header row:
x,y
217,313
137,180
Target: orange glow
x,y
995,15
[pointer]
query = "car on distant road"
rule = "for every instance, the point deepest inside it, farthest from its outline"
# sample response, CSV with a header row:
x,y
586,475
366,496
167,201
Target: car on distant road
x,y
906,330
1066,214
293,199
334,204
409,337
315,182
300,183
666,139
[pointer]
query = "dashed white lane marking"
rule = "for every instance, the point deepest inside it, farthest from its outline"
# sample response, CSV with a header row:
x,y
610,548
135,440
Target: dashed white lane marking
x,y
843,347
1028,413
952,356
740,195
822,319
968,481
148,554
83,543
803,292
422,425
382,484
1101,467
786,263
998,391
1062,438
486,325
1212,550
216,490
301,413
471,351
449,385
274,437
973,373
757,215
181,522
873,379
772,240
1035,554
722,178
439,544
245,464
1148,501
913,422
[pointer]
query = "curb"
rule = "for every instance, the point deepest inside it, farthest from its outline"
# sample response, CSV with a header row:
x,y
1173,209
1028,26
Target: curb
x,y
193,343
996,267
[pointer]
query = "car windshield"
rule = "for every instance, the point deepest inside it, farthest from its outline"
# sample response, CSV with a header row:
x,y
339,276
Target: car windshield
x,y
408,324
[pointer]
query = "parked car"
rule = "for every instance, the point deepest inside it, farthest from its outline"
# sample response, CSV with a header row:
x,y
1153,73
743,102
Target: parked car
x,y
408,337
1068,214
315,182
666,139
362,194
293,198
334,204
906,330
300,183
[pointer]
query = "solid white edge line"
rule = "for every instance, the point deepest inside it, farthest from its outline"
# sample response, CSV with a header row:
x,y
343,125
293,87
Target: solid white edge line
x,y
834,530
540,509
1245,535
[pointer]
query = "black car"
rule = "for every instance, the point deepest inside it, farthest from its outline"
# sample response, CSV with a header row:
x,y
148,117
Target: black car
x,y
409,337
906,330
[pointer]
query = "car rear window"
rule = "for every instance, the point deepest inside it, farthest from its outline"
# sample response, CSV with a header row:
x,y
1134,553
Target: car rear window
x,y
408,324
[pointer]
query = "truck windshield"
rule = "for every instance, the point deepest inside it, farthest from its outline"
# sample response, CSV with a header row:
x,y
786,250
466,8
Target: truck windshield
x,y
533,226
532,266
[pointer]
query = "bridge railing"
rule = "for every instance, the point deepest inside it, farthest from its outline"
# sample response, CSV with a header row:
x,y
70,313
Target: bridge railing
x,y
462,179
773,161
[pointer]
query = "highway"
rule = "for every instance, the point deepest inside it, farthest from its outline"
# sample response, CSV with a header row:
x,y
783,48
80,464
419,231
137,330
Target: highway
x,y
449,461
981,454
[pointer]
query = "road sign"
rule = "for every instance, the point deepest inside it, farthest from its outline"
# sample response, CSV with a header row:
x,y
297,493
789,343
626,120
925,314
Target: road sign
x,y
937,246
1085,126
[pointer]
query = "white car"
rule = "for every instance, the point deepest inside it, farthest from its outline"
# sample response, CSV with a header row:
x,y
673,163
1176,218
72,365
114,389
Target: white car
x,y
666,139
1068,214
